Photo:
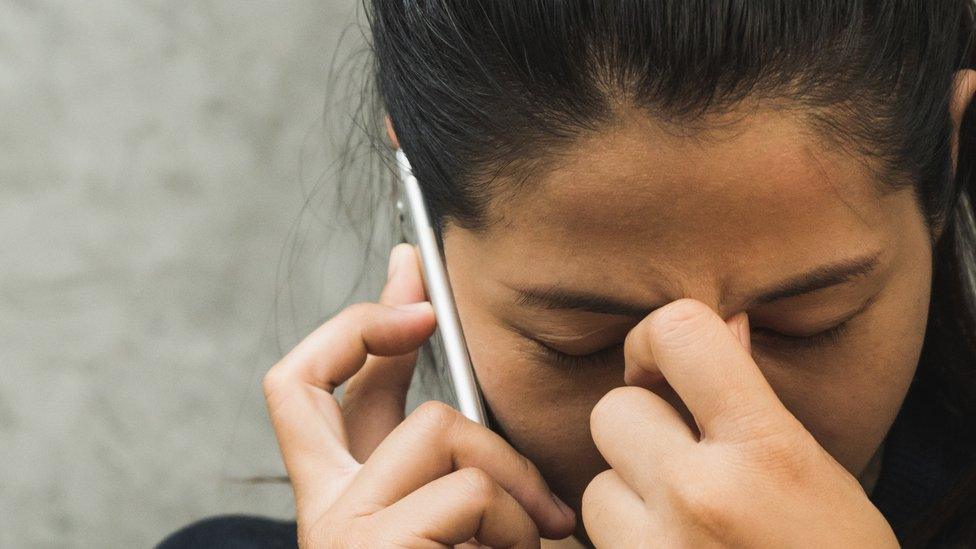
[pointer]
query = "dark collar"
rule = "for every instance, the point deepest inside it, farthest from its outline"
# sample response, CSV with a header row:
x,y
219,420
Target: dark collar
x,y
917,465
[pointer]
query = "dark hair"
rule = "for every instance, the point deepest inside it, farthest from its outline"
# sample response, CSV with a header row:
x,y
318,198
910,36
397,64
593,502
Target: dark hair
x,y
481,91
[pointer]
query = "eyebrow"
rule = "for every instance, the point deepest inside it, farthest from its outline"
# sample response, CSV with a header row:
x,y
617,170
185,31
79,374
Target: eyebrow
x,y
554,297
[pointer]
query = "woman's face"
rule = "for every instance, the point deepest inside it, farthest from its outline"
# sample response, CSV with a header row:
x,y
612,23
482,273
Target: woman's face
x,y
762,218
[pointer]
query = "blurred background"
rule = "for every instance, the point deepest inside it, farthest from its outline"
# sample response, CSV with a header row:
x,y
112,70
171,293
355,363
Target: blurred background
x,y
161,245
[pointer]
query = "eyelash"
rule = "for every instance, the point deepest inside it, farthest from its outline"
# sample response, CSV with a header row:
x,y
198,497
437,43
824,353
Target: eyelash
x,y
573,362
830,336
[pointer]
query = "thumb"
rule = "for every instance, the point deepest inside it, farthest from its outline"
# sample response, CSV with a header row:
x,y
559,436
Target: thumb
x,y
374,399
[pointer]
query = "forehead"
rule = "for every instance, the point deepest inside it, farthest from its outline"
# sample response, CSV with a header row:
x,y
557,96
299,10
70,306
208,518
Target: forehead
x,y
637,204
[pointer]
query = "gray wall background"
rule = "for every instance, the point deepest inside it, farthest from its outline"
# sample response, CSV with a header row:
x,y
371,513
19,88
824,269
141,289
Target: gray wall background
x,y
154,160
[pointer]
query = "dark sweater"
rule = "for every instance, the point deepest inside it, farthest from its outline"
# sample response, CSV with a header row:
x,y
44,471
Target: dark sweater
x,y
916,469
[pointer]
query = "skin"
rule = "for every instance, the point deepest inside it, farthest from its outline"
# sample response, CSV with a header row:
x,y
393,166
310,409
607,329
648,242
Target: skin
x,y
703,387
711,223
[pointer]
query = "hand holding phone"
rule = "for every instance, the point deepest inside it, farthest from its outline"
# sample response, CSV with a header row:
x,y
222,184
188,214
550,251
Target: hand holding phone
x,y
365,476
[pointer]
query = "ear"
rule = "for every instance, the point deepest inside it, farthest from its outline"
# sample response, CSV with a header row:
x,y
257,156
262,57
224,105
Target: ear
x,y
392,134
963,86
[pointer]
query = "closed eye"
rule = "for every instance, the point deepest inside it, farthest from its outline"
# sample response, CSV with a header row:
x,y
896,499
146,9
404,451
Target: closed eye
x,y
613,355
825,338
606,356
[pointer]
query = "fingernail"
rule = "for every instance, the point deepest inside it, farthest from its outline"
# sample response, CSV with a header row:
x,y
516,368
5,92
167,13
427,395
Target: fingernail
x,y
563,507
391,268
413,307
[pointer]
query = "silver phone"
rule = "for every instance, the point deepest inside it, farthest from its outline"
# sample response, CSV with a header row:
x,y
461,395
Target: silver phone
x,y
416,229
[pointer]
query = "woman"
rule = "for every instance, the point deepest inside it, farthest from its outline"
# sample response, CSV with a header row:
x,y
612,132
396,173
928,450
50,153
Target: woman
x,y
714,264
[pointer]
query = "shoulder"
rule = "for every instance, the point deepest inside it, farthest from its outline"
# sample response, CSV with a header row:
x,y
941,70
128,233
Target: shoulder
x,y
233,532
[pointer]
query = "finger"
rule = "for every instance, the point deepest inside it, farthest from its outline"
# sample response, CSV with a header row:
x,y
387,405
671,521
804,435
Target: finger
x,y
435,440
462,505
305,416
707,366
641,436
642,370
373,400
613,514
739,325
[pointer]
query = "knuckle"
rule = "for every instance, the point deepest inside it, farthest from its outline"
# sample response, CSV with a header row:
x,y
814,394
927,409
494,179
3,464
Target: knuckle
x,y
714,502
273,382
434,417
530,532
526,468
361,310
609,408
323,531
704,504
478,484
364,535
359,307
786,454
594,503
593,491
363,314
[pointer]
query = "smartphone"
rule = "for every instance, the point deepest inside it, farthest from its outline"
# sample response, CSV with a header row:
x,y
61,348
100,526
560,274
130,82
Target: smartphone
x,y
415,228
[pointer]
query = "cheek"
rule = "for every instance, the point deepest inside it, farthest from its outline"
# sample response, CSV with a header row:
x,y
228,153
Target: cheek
x,y
848,397
541,410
